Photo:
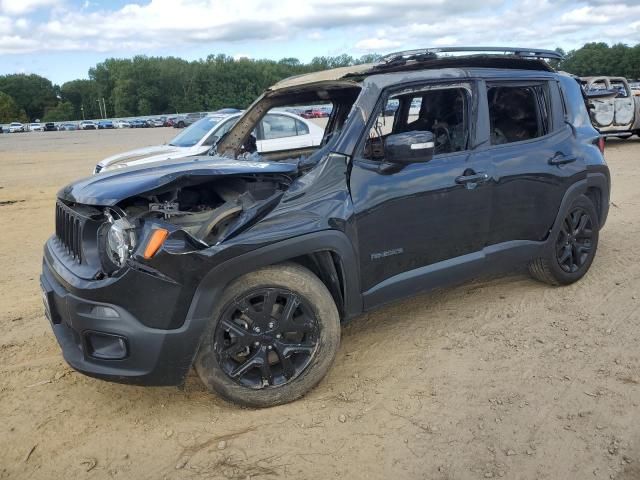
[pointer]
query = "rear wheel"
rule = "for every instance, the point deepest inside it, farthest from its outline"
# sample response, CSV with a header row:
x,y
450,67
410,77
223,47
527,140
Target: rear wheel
x,y
569,254
273,338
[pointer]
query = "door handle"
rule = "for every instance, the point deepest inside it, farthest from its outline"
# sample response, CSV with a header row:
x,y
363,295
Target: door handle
x,y
561,159
472,178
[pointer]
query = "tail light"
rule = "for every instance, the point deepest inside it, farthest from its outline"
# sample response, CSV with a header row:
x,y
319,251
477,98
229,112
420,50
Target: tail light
x,y
601,143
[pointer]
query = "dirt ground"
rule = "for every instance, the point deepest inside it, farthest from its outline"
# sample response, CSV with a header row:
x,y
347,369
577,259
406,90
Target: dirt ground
x,y
498,378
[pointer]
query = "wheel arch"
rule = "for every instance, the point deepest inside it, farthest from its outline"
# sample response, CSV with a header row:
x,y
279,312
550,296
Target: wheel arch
x,y
596,188
597,191
328,254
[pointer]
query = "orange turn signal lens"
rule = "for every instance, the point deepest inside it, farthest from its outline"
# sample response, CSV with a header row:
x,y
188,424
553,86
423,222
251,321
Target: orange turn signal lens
x,y
158,237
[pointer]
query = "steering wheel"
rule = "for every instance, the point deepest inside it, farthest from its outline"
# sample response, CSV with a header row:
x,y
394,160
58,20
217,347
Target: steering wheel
x,y
442,138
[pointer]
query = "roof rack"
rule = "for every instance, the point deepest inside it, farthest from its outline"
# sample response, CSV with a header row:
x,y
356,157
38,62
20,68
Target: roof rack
x,y
431,53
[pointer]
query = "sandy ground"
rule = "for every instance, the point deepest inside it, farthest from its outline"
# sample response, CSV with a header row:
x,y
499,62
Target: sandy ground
x,y
498,378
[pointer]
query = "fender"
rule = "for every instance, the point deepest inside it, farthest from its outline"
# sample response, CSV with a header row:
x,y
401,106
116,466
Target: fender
x,y
219,277
213,284
598,180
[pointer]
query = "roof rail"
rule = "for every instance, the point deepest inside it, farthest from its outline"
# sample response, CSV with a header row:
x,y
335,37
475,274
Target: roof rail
x,y
430,53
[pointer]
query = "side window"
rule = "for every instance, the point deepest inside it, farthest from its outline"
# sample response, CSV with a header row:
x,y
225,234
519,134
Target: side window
x,y
518,113
278,126
441,111
224,128
302,128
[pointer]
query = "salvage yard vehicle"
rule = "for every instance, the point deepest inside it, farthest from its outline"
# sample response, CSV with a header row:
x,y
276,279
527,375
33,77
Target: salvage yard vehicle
x,y
276,131
188,119
244,264
15,127
88,125
614,109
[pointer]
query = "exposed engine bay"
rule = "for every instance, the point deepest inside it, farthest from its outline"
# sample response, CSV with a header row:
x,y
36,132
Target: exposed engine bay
x,y
211,211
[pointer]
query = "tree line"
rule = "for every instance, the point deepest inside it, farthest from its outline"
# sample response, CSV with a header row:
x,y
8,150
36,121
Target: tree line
x,y
163,85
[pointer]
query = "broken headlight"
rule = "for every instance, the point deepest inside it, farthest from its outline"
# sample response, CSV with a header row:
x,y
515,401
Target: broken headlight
x,y
120,238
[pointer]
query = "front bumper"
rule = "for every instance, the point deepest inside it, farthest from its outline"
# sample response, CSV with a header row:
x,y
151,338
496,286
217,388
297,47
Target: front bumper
x,y
104,339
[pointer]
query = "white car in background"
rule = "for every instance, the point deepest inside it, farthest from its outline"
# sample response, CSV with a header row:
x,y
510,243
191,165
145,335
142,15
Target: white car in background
x,y
16,127
276,131
121,124
36,127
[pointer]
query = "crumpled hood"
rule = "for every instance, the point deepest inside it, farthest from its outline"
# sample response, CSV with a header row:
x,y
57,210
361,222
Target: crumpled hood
x,y
111,187
173,154
140,153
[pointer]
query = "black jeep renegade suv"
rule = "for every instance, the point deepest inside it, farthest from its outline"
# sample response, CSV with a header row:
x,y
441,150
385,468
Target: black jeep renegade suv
x,y
433,169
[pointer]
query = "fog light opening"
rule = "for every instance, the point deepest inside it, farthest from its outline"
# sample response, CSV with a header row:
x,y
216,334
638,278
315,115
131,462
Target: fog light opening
x,y
105,346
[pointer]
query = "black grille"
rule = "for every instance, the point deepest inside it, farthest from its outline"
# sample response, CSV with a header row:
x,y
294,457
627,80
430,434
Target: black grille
x,y
69,230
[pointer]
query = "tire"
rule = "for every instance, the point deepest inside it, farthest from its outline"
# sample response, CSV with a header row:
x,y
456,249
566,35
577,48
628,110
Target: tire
x,y
550,267
180,124
309,299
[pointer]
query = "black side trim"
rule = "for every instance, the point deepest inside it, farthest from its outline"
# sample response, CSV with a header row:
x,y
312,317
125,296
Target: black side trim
x,y
495,258
601,182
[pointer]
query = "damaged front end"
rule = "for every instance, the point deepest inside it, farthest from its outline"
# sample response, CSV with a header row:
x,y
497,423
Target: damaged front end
x,y
128,218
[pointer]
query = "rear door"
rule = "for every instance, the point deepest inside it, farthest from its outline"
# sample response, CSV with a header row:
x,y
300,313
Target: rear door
x,y
533,157
623,104
603,111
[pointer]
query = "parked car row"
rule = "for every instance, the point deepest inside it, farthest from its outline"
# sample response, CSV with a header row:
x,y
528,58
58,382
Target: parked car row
x,y
315,112
15,127
176,121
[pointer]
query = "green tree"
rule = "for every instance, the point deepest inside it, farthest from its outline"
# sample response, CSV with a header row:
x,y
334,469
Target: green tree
x,y
32,93
83,96
9,110
60,113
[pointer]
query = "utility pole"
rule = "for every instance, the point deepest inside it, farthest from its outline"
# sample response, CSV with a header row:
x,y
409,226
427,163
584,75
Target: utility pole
x,y
104,108
100,107
82,110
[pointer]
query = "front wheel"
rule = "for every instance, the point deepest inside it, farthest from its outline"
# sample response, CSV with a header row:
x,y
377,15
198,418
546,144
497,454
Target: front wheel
x,y
570,252
273,337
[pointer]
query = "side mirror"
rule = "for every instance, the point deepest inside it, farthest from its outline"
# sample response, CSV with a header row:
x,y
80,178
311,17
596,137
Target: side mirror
x,y
409,147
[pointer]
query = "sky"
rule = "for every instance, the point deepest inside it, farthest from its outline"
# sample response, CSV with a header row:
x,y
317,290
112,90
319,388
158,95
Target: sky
x,y
62,39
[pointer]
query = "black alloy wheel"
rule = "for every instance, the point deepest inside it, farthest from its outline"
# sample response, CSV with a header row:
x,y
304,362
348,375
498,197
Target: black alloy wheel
x,y
266,338
569,252
575,240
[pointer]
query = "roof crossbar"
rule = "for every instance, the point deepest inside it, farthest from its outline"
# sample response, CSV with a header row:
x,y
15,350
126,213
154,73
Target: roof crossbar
x,y
429,53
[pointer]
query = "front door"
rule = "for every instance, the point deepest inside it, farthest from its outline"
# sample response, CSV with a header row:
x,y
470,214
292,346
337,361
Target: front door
x,y
421,214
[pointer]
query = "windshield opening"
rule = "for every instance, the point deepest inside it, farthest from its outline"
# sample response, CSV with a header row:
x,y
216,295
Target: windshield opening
x,y
194,133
